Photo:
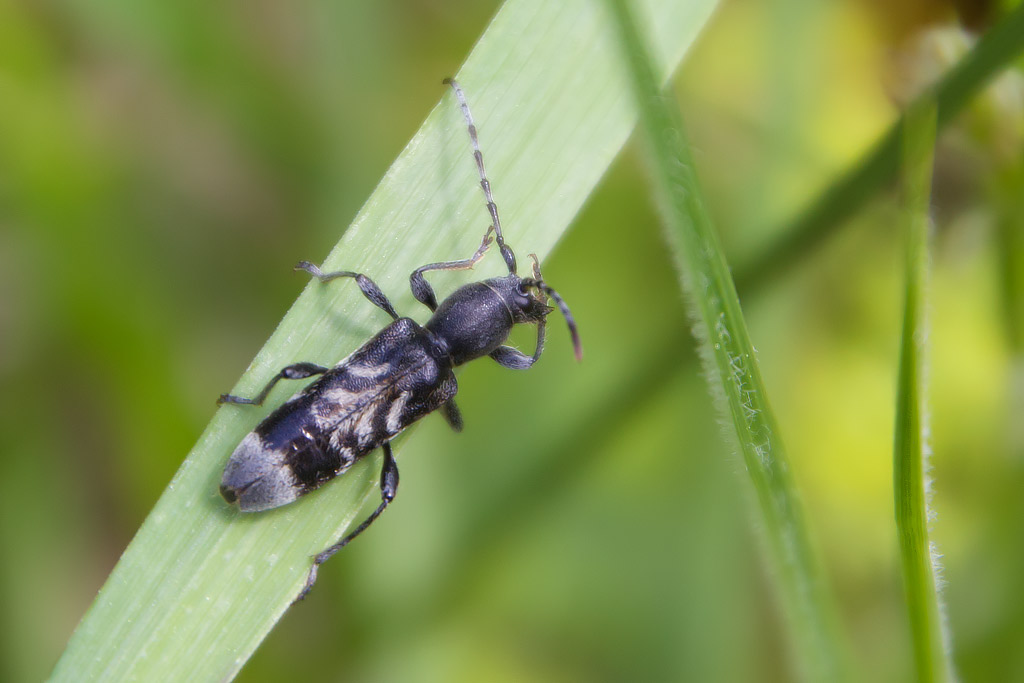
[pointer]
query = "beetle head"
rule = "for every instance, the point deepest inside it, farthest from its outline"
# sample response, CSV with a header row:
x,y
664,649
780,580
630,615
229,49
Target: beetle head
x,y
527,300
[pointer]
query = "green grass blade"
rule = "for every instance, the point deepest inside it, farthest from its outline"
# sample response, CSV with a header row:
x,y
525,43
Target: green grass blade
x,y
731,365
200,586
919,561
995,51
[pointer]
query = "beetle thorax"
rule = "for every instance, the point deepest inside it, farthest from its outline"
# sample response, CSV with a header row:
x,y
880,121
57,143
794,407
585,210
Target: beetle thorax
x,y
473,321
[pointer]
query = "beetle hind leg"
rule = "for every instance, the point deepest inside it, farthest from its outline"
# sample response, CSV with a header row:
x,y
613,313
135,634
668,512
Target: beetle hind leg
x,y
295,371
388,488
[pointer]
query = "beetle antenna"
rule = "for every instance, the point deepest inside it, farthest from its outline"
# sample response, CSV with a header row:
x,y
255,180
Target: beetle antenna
x,y
492,208
566,313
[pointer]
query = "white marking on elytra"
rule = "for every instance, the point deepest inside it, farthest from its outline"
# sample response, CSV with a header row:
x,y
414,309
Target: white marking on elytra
x,y
368,371
344,452
394,423
339,396
363,426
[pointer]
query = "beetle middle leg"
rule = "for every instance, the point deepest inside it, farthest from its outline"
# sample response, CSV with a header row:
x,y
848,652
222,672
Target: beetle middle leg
x,y
422,290
295,371
369,288
514,359
452,415
388,488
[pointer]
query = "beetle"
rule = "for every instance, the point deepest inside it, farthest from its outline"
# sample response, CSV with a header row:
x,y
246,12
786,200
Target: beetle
x,y
399,376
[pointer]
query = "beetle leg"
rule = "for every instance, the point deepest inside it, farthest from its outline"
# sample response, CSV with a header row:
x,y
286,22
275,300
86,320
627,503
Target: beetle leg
x,y
452,415
388,488
514,359
369,287
422,290
296,371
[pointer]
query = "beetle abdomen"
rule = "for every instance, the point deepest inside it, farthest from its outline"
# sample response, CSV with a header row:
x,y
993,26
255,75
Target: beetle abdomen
x,y
390,382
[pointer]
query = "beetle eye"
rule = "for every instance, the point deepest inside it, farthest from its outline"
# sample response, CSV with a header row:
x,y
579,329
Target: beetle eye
x,y
520,296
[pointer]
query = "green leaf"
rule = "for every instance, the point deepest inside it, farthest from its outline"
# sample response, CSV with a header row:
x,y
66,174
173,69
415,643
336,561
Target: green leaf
x,y
731,365
201,585
919,561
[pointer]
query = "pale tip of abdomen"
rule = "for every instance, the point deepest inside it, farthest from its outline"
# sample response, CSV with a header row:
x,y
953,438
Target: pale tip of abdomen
x,y
258,478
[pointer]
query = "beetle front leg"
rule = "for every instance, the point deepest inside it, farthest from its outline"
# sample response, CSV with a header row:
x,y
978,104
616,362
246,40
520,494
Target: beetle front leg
x,y
514,359
422,290
296,371
369,288
388,489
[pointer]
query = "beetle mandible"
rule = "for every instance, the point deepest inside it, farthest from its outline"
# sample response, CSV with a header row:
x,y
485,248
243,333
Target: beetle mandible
x,y
396,378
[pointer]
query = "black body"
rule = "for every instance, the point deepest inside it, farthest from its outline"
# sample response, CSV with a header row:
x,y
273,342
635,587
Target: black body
x,y
399,376
396,378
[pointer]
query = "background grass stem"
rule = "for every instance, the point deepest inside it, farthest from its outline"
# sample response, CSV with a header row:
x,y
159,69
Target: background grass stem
x,y
911,485
731,365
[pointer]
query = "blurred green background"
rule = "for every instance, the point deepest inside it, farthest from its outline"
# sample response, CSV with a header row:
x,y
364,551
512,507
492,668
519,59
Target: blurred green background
x,y
163,165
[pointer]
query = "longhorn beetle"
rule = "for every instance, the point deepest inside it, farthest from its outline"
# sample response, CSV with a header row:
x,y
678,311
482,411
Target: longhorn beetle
x,y
399,376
